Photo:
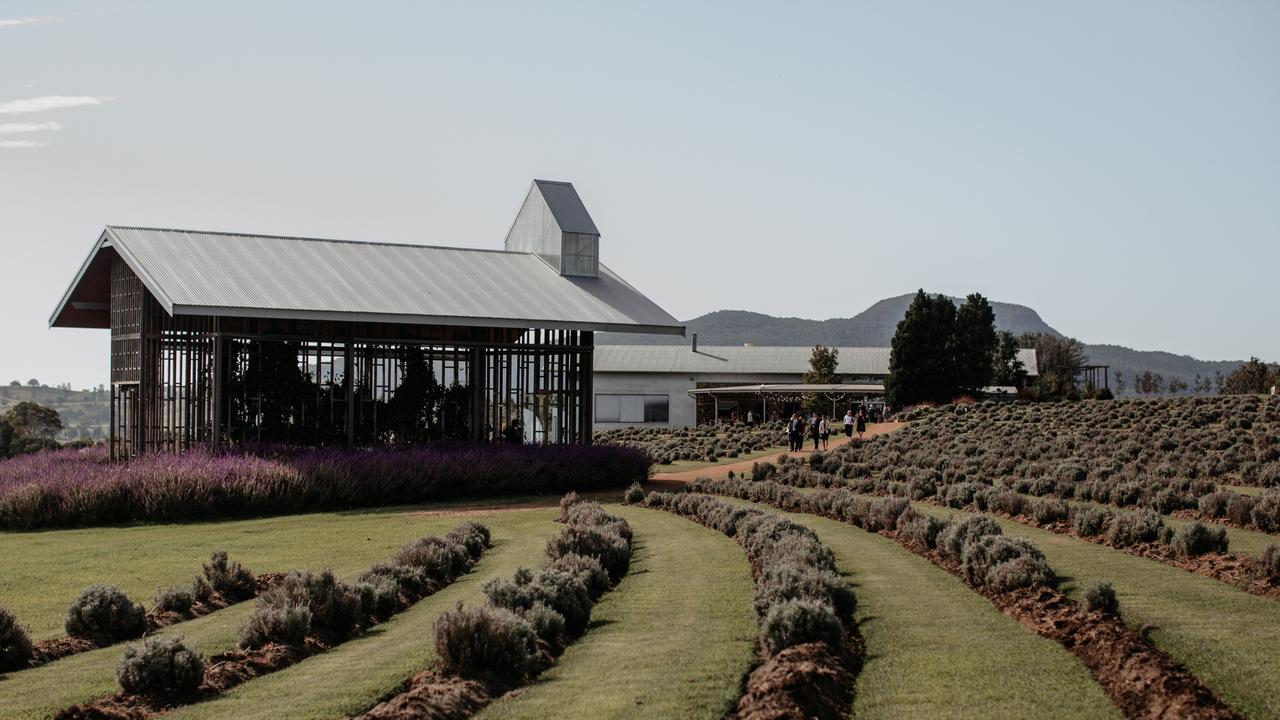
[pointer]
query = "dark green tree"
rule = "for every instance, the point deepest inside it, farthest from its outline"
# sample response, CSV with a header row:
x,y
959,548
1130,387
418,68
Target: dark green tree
x,y
269,392
32,421
822,371
414,408
1253,377
1007,367
6,437
921,366
1059,360
974,343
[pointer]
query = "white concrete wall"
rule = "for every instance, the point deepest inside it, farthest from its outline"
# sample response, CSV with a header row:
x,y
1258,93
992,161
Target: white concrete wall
x,y
675,386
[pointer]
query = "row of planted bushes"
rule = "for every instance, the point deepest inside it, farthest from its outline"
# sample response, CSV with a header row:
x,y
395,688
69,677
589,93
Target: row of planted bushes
x,y
304,612
104,615
527,621
74,488
670,444
1117,529
976,544
804,609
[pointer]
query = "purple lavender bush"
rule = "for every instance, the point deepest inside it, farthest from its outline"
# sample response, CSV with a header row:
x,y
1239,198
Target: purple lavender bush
x,y
78,488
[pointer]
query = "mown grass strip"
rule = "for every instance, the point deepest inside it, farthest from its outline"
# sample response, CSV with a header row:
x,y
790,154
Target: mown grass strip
x,y
674,639
42,572
1226,637
348,543
353,676
936,649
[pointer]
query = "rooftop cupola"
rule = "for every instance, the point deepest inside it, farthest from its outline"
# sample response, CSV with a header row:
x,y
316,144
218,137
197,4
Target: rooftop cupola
x,y
554,225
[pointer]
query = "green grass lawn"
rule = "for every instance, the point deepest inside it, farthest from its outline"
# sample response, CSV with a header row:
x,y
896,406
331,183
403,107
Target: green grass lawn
x,y
1226,636
42,572
142,557
353,676
674,640
936,649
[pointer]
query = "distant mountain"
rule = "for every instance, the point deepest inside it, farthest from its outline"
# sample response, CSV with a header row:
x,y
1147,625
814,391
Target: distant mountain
x,y
874,327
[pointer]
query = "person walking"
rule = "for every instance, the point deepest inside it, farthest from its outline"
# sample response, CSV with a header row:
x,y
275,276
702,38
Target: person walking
x,y
815,431
862,423
826,432
751,418
848,423
793,432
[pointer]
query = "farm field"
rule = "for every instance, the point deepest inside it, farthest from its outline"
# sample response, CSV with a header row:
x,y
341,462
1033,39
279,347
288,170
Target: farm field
x,y
934,646
1225,636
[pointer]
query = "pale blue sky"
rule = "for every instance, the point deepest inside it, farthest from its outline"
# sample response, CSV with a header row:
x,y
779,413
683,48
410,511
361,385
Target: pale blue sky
x,y
1114,165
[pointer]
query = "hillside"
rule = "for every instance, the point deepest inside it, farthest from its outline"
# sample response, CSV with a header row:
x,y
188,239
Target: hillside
x,y
874,327
85,413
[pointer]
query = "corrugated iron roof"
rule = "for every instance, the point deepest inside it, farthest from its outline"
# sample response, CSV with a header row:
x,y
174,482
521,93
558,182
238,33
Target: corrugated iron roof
x,y
747,359
570,214
213,273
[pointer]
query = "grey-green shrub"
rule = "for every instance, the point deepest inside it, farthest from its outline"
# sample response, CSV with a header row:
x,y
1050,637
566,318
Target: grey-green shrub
x,y
612,550
796,622
473,536
105,615
483,641
634,495
1101,597
440,559
566,502
161,667
178,599
1132,528
287,624
563,592
335,605
588,569
229,577
1090,521
546,623
1003,563
1268,563
412,581
793,581
15,643
923,531
952,539
379,598
1048,511
1198,539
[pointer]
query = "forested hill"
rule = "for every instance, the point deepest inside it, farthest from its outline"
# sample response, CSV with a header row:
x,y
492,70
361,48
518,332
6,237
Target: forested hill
x,y
874,327
86,414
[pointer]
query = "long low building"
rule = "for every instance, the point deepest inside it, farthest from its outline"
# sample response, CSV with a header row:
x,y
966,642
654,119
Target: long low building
x,y
682,385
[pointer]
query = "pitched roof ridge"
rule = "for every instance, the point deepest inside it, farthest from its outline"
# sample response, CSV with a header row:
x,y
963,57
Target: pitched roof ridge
x,y
314,239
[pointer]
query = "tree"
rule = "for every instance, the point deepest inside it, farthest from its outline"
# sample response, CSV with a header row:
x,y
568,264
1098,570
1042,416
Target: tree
x,y
920,358
1059,360
1176,385
32,421
6,437
15,383
1119,382
822,371
1253,377
1006,366
33,383
973,343
413,409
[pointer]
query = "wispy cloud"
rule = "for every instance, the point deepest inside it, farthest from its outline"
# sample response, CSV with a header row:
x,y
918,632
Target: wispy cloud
x,y
22,143
49,102
15,22
23,127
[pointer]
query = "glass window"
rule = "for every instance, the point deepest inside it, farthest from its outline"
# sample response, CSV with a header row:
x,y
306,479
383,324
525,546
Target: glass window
x,y
607,408
633,408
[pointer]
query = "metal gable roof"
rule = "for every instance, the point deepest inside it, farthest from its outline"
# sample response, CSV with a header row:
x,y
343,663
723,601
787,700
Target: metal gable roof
x,y
567,208
199,273
746,359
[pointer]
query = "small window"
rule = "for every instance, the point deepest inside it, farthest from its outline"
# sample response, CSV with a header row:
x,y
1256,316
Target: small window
x,y
633,409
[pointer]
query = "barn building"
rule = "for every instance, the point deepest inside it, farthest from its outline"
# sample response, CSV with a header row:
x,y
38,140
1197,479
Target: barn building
x,y
227,337
685,385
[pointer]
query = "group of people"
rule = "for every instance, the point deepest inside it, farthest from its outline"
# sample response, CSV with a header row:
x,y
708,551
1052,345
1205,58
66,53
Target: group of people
x,y
817,427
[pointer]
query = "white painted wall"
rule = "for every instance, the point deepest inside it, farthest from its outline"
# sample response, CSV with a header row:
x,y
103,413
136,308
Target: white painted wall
x,y
675,387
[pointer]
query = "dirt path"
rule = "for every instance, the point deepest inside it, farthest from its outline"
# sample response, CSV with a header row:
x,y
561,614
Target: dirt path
x,y
722,470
